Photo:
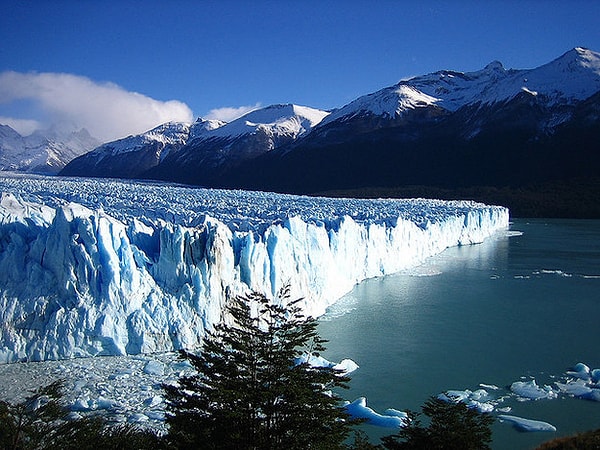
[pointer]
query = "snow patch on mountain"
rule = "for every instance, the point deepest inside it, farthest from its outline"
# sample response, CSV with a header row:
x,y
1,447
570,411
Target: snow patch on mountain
x,y
171,133
389,102
571,77
203,126
289,119
97,267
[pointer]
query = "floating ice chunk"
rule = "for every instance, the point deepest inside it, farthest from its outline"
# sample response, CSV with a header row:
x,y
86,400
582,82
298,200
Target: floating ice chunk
x,y
455,396
346,366
580,370
555,272
581,389
73,416
577,388
358,409
104,403
156,415
530,390
395,413
595,374
121,374
153,402
81,404
154,367
482,407
137,418
479,399
526,424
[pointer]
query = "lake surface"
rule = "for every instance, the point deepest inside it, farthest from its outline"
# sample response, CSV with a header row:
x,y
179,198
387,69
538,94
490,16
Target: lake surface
x,y
515,308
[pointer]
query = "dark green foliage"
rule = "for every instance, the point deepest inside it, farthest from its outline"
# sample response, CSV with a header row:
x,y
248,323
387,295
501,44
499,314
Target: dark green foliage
x,y
361,442
31,423
41,422
452,426
249,393
582,441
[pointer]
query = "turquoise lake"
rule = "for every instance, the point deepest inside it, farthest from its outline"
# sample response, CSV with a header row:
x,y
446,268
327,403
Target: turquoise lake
x,y
523,305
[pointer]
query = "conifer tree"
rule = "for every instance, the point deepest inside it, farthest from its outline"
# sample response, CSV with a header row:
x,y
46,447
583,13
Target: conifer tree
x,y
453,426
42,422
249,391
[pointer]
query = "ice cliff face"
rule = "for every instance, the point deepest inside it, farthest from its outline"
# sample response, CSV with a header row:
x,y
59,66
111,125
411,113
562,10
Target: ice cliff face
x,y
97,267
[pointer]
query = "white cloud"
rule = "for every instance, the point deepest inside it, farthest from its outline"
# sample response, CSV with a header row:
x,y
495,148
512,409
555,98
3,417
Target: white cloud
x,y
227,113
106,110
23,126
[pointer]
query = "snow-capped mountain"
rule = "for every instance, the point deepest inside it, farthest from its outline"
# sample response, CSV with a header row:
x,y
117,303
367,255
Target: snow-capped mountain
x,y
494,127
45,151
131,156
198,152
497,127
573,77
205,158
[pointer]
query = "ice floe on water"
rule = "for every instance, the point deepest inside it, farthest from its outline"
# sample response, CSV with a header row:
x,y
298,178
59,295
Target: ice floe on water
x,y
129,389
513,233
556,273
391,418
522,424
121,388
345,367
529,390
579,382
480,399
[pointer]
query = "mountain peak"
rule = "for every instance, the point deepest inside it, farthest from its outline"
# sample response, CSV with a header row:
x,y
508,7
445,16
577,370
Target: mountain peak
x,y
579,58
494,66
275,113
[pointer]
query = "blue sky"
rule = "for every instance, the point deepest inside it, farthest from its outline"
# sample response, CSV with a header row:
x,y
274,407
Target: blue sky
x,y
83,61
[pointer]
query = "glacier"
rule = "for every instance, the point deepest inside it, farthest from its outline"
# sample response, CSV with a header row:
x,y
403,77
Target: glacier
x,y
107,267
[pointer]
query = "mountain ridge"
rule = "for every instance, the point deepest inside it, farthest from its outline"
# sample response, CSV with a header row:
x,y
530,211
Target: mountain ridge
x,y
43,151
450,129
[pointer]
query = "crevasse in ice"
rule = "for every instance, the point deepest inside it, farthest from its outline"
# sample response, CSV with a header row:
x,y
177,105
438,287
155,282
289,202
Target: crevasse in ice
x,y
109,268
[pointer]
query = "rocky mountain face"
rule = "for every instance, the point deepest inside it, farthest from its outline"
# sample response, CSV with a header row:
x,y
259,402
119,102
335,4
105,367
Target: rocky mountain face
x,y
132,156
497,127
199,153
45,151
212,153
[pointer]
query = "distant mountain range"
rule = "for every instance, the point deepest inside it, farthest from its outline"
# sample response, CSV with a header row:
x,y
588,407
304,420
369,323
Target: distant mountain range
x,y
45,151
527,138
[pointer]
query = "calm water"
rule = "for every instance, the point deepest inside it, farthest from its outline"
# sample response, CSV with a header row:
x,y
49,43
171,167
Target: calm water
x,y
512,307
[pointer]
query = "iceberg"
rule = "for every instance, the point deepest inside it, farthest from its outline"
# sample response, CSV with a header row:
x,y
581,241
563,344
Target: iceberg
x,y
531,391
104,267
522,424
479,399
345,366
392,418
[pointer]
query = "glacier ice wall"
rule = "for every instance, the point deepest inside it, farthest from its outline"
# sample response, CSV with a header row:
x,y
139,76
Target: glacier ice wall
x,y
126,270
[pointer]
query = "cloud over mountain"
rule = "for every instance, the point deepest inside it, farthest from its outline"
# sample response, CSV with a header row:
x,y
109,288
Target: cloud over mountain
x,y
106,110
228,113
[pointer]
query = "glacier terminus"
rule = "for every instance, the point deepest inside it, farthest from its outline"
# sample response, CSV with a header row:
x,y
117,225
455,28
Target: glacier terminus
x,y
106,267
